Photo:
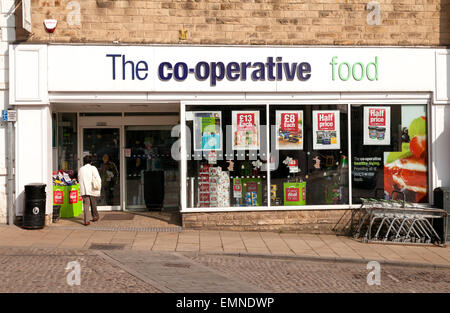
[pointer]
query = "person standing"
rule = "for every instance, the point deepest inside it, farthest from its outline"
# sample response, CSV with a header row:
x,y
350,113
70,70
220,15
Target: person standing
x,y
110,178
90,186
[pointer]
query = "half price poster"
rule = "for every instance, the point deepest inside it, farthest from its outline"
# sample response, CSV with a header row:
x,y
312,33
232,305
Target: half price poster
x,y
289,130
326,130
245,127
207,131
377,126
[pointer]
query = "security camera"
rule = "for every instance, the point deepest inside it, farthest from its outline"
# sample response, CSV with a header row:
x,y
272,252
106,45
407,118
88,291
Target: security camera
x,y
50,25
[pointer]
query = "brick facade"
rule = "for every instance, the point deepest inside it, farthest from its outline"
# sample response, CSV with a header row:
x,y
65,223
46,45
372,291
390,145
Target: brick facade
x,y
248,22
308,221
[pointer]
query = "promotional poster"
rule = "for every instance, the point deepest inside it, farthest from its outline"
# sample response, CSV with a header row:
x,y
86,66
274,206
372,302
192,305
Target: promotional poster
x,y
289,130
207,130
326,130
406,171
377,126
245,130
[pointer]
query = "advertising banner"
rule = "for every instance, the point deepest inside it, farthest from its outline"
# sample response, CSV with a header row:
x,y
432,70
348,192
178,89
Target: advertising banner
x,y
294,193
406,171
377,126
289,130
207,131
326,130
245,130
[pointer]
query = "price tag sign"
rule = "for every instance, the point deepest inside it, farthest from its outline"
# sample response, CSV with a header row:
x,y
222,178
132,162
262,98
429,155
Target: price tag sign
x,y
245,121
289,122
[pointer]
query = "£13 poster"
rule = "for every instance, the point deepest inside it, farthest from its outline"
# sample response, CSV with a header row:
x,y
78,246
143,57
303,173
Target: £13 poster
x,y
245,130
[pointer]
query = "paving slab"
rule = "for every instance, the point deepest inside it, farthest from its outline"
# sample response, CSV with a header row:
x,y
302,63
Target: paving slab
x,y
165,270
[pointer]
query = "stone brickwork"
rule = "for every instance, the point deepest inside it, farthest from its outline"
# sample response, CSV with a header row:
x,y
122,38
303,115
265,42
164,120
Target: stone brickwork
x,y
316,221
247,22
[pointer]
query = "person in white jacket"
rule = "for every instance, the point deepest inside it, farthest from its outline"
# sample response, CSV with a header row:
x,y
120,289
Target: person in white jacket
x,y
90,186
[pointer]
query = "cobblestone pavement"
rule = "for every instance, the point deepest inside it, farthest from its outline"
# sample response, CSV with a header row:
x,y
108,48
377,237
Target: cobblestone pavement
x,y
290,275
44,270
35,270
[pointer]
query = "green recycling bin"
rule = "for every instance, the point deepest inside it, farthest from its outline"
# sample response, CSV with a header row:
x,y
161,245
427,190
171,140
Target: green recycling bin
x,y
69,198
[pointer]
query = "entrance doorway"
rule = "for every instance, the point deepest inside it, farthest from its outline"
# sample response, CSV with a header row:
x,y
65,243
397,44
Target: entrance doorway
x,y
152,175
103,144
132,152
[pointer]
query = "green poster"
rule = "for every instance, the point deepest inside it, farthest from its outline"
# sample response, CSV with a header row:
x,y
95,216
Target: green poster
x,y
294,193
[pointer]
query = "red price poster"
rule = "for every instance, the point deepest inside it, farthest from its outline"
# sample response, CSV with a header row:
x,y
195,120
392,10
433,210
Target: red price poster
x,y
245,121
289,130
377,126
245,126
326,130
58,197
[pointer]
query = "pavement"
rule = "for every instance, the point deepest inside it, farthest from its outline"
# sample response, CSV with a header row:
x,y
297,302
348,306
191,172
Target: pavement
x,y
159,232
152,254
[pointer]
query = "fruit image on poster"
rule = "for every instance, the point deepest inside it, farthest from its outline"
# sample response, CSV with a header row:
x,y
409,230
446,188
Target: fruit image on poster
x,y
289,126
407,171
207,131
245,128
326,130
377,126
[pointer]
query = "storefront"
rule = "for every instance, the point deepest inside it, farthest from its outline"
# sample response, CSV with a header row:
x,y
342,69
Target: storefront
x,y
235,129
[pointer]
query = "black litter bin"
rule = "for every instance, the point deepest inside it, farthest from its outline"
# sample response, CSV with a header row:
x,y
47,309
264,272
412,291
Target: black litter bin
x,y
442,201
56,210
34,209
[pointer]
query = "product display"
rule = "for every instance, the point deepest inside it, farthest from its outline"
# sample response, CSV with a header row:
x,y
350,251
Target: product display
x,y
294,193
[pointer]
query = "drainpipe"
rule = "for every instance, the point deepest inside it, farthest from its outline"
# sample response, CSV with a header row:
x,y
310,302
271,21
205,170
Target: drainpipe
x,y
10,172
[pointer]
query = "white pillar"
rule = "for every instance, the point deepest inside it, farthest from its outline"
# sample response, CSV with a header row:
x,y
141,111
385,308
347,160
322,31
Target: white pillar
x,y
33,152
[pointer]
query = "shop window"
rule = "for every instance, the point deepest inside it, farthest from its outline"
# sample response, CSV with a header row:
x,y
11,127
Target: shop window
x,y
67,142
389,152
227,154
309,150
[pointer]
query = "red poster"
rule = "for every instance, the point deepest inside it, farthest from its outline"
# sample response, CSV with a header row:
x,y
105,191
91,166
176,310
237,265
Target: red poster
x,y
237,187
58,197
73,196
292,194
325,121
252,187
289,122
377,117
245,121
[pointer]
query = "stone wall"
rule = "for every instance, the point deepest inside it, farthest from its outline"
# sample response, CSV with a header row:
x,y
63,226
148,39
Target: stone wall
x,y
315,221
247,22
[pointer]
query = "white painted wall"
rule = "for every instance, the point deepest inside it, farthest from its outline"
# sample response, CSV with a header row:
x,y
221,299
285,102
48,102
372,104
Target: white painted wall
x,y
33,152
7,33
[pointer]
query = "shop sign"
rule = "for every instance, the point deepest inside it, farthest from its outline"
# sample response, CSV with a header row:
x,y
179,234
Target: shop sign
x,y
237,69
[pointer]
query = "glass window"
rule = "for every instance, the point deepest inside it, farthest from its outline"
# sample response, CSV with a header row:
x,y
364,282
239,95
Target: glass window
x,y
226,148
309,145
389,152
67,142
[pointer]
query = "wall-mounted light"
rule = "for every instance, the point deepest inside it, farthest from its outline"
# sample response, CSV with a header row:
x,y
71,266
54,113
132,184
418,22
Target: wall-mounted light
x,y
182,34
